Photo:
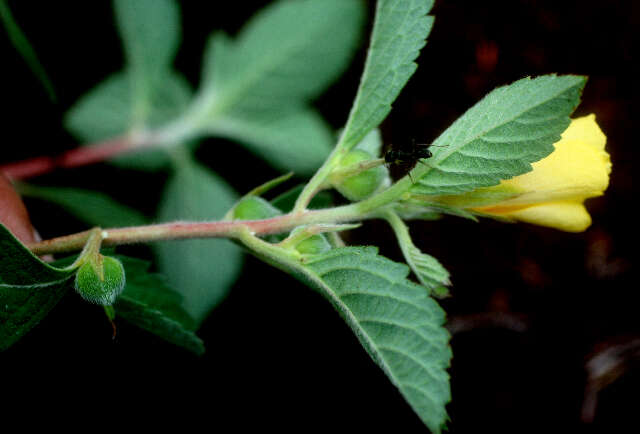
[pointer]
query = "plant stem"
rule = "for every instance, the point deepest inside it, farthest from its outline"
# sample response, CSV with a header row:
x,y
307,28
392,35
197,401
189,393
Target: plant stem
x,y
76,157
187,230
366,209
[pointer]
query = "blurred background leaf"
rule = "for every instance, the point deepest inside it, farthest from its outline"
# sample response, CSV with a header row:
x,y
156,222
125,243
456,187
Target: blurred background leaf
x,y
151,33
106,111
256,88
201,270
92,207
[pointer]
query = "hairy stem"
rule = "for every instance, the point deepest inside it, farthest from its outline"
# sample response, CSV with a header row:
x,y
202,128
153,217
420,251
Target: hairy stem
x,y
186,230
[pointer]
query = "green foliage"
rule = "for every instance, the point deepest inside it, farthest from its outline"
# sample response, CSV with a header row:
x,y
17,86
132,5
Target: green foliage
x,y
147,94
400,31
278,135
395,320
286,55
150,31
426,268
100,280
201,270
95,208
256,87
149,303
29,288
107,111
501,135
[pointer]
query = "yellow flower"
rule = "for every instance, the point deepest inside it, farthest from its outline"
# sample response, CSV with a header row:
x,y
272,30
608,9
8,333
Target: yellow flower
x,y
553,193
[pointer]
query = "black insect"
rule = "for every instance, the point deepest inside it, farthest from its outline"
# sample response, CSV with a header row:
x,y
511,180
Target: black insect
x,y
405,158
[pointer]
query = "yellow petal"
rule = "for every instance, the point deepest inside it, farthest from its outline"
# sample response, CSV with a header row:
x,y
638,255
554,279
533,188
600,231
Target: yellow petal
x,y
579,168
552,194
566,216
587,130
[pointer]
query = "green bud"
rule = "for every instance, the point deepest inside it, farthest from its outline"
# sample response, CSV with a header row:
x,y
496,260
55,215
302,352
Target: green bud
x,y
314,245
254,208
364,184
100,280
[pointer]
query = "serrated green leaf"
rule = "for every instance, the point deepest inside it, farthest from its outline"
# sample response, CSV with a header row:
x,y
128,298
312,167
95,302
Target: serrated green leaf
x,y
93,207
500,136
395,320
289,140
149,303
427,269
399,33
287,53
29,288
398,324
150,31
201,270
106,112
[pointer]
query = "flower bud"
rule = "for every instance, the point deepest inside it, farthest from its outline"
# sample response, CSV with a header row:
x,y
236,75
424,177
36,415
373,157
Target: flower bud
x,y
254,208
313,244
363,184
100,280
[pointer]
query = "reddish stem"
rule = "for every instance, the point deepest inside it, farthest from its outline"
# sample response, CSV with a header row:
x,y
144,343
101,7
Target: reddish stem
x,y
74,158
186,230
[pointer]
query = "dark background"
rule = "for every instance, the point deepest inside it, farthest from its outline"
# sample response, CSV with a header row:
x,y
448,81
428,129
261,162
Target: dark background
x,y
530,307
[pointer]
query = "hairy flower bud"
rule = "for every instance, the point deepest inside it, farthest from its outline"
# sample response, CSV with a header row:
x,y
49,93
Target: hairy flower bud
x,y
100,280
